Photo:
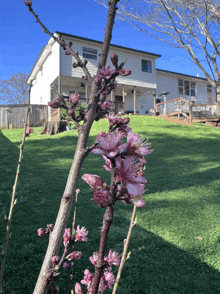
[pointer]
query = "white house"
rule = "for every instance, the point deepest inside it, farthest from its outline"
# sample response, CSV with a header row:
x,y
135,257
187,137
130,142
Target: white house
x,y
53,72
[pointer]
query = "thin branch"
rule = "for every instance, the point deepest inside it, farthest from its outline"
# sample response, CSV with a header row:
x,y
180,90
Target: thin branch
x,y
124,254
13,198
63,44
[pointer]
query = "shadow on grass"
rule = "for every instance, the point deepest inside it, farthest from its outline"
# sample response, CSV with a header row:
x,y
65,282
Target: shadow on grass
x,y
155,266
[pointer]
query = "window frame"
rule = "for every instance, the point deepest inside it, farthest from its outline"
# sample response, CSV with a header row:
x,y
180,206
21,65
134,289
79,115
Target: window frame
x,y
90,53
146,65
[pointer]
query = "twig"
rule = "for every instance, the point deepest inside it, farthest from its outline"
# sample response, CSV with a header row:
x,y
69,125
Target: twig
x,y
74,215
13,198
124,257
62,43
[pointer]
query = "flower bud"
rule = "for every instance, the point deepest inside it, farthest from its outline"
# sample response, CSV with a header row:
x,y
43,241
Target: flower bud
x,y
67,236
114,59
41,232
98,82
102,198
94,181
78,289
55,260
107,106
125,120
124,72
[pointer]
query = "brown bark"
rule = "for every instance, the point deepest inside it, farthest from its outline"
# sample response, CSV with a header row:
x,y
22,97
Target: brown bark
x,y
55,240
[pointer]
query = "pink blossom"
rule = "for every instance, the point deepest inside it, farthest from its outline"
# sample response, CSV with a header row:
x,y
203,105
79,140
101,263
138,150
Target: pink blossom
x,y
88,277
30,130
81,234
108,163
136,146
108,144
67,236
106,73
55,260
78,289
107,106
94,258
94,181
113,258
102,197
125,197
138,201
75,255
128,175
109,279
74,99
41,232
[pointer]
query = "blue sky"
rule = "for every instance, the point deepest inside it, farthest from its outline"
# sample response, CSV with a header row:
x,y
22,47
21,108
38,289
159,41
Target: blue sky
x,y
21,38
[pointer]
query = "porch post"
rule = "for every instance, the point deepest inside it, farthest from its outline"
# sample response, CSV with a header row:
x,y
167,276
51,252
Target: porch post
x,y
59,91
123,97
135,108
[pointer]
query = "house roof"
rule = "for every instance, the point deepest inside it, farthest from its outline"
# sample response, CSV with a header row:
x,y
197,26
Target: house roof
x,y
180,74
112,45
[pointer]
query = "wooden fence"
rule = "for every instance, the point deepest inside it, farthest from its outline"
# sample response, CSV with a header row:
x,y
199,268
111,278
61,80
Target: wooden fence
x,y
13,115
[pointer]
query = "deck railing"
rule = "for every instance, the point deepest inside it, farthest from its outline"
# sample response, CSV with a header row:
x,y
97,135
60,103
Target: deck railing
x,y
173,106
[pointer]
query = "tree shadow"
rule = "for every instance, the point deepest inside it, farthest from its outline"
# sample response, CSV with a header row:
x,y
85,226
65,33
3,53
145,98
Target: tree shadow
x,y
155,265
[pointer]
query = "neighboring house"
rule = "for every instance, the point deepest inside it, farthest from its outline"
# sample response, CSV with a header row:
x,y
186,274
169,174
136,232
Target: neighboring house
x,y
53,72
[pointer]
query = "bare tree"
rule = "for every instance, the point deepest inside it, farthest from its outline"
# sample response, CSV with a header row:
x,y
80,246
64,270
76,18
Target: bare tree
x,y
14,90
193,25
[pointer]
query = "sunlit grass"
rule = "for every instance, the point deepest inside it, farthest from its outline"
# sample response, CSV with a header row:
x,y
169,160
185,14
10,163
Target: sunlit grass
x,y
175,246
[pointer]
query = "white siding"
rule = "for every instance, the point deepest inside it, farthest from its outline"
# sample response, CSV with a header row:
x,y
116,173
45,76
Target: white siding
x,y
137,78
168,82
40,92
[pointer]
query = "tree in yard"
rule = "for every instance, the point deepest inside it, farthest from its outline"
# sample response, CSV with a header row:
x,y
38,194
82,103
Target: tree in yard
x,y
187,24
14,90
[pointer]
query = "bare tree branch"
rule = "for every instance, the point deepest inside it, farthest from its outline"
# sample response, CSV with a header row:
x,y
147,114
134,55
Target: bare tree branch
x,y
14,90
187,24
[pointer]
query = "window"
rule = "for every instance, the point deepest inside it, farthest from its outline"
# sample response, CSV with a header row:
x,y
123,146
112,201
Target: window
x,y
146,65
209,88
186,87
193,89
118,98
90,53
180,86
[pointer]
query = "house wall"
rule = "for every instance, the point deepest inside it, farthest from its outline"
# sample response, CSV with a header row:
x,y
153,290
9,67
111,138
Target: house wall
x,y
137,78
40,92
168,82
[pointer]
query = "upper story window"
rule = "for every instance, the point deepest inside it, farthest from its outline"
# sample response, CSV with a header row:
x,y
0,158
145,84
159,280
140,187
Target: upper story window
x,y
209,88
187,88
146,65
90,53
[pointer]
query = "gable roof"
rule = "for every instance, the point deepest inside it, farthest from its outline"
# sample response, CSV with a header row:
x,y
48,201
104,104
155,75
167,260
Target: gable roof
x,y
180,74
112,45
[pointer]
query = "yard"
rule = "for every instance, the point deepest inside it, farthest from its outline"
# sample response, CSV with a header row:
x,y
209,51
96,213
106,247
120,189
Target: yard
x,y
175,246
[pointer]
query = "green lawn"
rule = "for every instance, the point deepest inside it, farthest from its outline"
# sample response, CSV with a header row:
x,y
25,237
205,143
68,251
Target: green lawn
x,y
182,202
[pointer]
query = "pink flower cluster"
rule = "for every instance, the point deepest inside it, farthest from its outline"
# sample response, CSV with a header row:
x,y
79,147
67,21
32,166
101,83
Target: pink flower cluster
x,y
127,161
106,280
29,131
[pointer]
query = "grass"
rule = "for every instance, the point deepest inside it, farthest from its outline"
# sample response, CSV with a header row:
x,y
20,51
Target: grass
x,y
182,203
